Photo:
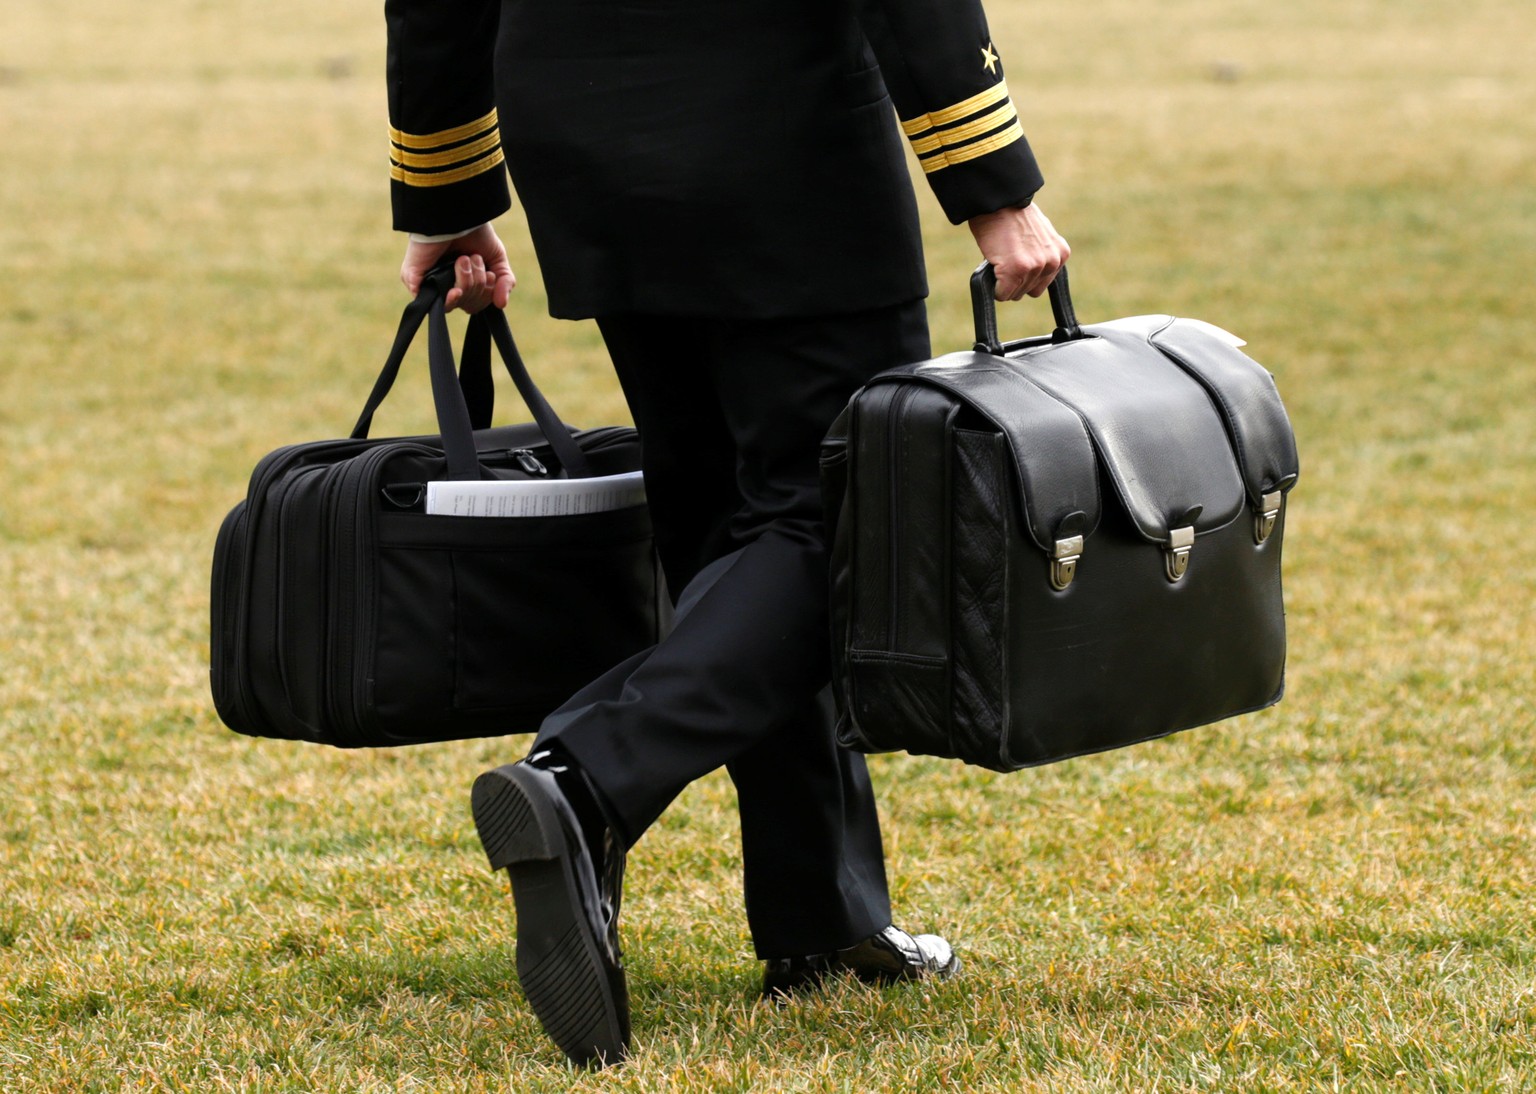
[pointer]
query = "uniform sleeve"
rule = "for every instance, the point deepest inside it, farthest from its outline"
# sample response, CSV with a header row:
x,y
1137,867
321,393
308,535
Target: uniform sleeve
x,y
445,159
944,74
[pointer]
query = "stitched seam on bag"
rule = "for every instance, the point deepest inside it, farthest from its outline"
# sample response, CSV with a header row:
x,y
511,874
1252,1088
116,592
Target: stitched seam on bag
x,y
537,548
884,657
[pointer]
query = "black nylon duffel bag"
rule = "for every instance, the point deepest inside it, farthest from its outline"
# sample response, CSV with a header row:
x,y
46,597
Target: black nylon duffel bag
x,y
1060,546
345,614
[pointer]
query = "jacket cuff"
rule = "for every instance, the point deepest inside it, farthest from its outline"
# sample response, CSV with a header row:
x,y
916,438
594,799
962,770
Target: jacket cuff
x,y
975,155
449,181
443,237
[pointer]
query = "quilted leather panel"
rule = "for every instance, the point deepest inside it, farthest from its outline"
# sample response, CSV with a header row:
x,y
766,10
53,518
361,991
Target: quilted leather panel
x,y
897,702
1162,443
1244,392
981,522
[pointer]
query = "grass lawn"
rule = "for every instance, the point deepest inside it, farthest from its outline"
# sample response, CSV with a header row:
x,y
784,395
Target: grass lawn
x,y
196,266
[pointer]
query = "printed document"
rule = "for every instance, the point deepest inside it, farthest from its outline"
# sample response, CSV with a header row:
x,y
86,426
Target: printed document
x,y
535,497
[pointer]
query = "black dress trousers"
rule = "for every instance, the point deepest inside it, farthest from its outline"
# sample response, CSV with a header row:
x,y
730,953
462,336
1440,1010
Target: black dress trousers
x,y
731,415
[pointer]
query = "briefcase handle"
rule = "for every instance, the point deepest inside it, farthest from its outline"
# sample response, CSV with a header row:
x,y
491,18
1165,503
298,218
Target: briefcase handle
x,y
984,309
464,402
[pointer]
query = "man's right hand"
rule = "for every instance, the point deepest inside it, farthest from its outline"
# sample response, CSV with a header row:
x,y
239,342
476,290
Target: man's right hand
x,y
483,275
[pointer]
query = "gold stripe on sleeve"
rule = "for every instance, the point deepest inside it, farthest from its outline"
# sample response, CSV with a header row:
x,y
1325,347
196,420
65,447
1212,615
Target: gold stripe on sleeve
x,y
424,141
913,126
923,145
444,178
452,156
980,101
948,138
949,156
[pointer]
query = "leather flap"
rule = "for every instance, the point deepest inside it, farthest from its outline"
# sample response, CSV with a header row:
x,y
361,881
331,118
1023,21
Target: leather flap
x,y
1244,392
1160,439
1052,454
1185,426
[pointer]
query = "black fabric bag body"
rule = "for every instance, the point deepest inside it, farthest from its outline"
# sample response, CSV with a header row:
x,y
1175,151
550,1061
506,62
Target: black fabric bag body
x,y
1065,545
343,613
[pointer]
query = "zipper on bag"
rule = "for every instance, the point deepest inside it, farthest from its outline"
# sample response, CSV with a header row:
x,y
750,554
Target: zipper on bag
x,y
268,472
355,525
529,463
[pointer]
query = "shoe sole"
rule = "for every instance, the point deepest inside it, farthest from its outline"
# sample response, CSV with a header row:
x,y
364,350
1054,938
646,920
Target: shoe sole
x,y
578,995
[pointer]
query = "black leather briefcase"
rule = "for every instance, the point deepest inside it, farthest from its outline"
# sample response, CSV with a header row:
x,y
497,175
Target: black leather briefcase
x,y
344,613
1063,545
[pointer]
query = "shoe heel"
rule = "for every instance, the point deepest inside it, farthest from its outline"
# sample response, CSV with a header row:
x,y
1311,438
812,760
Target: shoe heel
x,y
514,818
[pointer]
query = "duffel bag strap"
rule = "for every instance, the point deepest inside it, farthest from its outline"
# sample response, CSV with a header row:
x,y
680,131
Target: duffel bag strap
x,y
485,326
452,414
433,287
475,379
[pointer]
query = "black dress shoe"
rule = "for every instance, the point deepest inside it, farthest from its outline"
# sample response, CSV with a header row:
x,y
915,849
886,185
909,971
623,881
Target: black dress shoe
x,y
567,878
885,957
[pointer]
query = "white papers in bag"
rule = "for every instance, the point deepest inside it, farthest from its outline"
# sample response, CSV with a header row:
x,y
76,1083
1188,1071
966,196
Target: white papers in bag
x,y
535,497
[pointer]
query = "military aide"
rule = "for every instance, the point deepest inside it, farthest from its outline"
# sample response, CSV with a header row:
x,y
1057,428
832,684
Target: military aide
x,y
723,185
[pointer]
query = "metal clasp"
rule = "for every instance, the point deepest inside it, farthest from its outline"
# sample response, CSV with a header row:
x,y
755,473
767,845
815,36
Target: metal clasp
x,y
1064,558
1269,512
1181,541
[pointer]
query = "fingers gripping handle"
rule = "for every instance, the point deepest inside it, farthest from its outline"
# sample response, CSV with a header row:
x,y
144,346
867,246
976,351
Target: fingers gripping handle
x,y
434,288
984,309
464,402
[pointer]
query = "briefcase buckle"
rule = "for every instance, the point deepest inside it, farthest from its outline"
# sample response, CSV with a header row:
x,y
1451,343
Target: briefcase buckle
x,y
1181,541
1269,512
1064,558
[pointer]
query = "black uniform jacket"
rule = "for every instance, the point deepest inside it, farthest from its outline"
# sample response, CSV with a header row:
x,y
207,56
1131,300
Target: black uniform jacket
x,y
732,158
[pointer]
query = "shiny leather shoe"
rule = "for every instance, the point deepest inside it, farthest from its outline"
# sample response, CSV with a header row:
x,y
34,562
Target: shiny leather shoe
x,y
567,879
885,957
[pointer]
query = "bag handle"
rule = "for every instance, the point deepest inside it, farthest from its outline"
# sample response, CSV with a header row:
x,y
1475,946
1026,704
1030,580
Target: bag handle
x,y
433,286
984,309
464,402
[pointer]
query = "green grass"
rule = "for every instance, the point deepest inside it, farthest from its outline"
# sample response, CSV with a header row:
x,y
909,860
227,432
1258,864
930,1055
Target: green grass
x,y
1335,894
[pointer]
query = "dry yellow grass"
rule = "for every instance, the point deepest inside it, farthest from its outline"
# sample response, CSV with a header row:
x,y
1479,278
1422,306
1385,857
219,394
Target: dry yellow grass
x,y
195,266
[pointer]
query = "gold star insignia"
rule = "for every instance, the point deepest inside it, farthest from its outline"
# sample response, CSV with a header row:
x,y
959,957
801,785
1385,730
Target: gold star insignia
x,y
989,59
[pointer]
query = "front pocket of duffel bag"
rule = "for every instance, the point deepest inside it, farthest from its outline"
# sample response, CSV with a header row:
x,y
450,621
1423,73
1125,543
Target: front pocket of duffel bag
x,y
485,625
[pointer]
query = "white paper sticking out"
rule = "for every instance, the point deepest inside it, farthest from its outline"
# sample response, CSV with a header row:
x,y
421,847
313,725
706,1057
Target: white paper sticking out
x,y
1140,323
1216,332
535,497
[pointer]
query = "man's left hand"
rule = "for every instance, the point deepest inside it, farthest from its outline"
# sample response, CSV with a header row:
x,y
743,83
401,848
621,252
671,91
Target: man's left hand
x,y
1024,248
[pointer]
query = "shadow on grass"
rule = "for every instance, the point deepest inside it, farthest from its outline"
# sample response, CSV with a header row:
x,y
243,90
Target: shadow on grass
x,y
687,1007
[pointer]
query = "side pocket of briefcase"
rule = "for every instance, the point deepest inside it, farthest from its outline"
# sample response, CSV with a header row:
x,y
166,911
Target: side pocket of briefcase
x,y
980,524
897,638
834,493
